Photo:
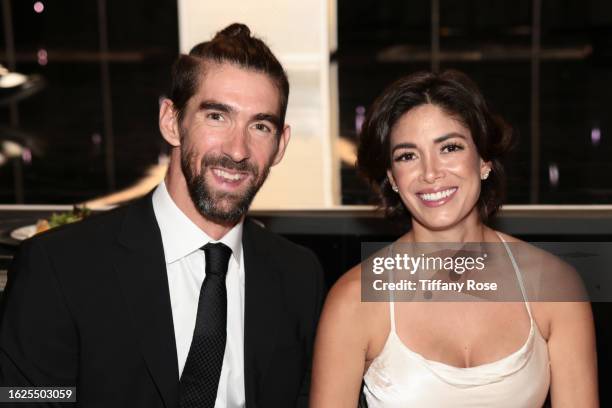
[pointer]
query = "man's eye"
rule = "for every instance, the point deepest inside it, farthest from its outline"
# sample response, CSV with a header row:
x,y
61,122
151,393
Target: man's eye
x,y
451,147
405,157
262,127
215,116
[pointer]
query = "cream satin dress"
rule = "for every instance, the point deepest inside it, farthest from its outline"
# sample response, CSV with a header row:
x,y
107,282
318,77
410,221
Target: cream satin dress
x,y
400,377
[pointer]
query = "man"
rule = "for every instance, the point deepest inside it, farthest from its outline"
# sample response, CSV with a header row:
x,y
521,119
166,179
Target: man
x,y
177,300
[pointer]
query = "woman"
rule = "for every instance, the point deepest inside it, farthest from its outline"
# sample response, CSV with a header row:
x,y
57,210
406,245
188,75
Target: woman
x,y
432,148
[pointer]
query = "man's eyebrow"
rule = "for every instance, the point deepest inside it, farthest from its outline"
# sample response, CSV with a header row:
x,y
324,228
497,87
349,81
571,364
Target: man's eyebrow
x,y
449,136
214,105
403,146
274,119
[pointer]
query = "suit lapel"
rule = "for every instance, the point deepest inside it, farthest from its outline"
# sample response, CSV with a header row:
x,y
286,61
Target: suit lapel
x,y
262,307
140,265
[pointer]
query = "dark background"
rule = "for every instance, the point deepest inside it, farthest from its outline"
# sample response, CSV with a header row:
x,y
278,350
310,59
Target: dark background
x,y
378,42
68,115
70,124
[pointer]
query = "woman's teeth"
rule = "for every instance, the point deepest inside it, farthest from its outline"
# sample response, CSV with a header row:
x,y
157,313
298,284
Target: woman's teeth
x,y
437,195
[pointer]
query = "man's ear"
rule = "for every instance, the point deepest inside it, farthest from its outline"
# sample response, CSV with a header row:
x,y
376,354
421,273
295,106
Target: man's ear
x,y
283,141
168,123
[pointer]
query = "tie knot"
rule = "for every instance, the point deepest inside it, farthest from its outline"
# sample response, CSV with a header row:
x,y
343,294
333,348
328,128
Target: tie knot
x,y
217,257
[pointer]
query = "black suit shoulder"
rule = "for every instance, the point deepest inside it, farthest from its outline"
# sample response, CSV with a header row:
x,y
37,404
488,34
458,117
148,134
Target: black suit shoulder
x,y
93,229
297,298
285,247
298,268
288,255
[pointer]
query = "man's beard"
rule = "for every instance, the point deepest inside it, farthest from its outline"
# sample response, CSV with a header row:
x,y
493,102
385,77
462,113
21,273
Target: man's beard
x,y
219,206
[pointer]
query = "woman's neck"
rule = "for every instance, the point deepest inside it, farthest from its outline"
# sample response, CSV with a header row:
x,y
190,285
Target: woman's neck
x,y
470,229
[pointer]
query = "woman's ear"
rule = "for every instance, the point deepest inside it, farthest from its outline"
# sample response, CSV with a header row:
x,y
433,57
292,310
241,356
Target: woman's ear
x,y
485,169
392,181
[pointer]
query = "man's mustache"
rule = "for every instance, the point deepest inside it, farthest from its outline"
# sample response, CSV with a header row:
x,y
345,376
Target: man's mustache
x,y
228,163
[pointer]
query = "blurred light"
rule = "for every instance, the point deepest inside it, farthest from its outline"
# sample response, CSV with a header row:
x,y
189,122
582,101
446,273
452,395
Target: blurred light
x,y
11,149
359,118
96,139
553,174
39,7
595,136
26,156
42,56
346,150
11,79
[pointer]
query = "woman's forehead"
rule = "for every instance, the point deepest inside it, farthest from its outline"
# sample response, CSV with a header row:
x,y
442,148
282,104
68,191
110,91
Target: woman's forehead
x,y
427,122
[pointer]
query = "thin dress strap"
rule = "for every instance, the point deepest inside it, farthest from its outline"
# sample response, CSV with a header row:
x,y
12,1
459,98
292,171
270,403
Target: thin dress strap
x,y
519,275
392,314
392,296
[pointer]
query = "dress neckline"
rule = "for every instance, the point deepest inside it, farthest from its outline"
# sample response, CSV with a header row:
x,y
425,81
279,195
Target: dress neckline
x,y
462,377
485,373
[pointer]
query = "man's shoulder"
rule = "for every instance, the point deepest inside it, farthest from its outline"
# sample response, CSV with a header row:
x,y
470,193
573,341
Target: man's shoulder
x,y
281,245
294,265
96,228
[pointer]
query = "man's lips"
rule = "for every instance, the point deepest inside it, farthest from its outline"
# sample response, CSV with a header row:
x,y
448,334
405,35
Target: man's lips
x,y
228,177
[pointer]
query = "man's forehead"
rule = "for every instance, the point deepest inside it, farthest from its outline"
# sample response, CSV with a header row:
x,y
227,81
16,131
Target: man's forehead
x,y
237,87
213,73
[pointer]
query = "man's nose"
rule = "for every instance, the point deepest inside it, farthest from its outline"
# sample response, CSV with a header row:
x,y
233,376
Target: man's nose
x,y
237,145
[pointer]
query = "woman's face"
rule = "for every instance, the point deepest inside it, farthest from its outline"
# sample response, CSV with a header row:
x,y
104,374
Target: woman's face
x,y
436,167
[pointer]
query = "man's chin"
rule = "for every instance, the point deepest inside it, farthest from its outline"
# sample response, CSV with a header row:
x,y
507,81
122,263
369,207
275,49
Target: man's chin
x,y
225,211
220,205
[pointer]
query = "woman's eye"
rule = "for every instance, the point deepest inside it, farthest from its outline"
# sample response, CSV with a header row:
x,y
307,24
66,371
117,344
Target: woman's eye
x,y
452,147
405,156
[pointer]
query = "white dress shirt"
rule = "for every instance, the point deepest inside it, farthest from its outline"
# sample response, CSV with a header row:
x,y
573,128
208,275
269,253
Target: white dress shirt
x,y
185,265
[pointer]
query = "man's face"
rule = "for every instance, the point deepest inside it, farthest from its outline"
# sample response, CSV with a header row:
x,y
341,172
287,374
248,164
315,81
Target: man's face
x,y
230,138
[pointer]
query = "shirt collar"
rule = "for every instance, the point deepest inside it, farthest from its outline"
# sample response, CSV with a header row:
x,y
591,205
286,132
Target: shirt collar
x,y
180,236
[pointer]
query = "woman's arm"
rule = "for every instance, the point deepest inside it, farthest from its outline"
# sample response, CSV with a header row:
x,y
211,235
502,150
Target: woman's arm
x,y
340,346
573,359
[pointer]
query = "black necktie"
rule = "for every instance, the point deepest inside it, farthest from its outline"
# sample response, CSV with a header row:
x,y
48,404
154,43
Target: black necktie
x,y
200,378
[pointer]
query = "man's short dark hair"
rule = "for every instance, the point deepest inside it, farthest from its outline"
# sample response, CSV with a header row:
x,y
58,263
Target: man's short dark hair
x,y
459,97
235,45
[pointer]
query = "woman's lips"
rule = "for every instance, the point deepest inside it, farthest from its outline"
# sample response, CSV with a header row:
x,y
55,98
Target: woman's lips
x,y
436,198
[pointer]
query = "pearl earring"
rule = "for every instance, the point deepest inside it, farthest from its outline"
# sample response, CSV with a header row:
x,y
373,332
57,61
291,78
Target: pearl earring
x,y
485,175
395,189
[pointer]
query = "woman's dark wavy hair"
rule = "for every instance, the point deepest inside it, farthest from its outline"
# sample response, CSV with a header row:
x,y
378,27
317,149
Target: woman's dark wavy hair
x,y
459,97
235,45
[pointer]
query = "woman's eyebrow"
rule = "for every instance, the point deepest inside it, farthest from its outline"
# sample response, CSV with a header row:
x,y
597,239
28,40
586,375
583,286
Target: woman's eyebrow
x,y
403,146
449,136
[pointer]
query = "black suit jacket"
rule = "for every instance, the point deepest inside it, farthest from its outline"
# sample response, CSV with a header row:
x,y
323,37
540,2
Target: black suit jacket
x,y
88,305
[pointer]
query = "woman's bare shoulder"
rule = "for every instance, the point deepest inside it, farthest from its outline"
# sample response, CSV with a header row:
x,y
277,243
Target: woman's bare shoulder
x,y
507,237
554,286
344,298
533,256
347,289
